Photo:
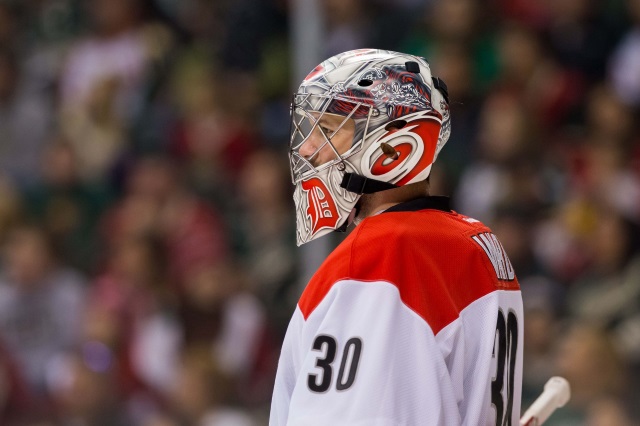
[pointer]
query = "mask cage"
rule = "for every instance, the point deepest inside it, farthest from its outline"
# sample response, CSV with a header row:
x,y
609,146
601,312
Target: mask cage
x,y
307,111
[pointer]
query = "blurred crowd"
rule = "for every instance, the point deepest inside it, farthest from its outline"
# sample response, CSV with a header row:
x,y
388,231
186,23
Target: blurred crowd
x,y
148,265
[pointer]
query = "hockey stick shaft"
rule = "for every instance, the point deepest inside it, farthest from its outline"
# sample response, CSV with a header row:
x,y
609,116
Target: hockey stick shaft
x,y
556,394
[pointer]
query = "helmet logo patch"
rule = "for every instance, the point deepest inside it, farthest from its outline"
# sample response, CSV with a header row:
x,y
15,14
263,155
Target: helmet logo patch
x,y
427,131
415,145
321,207
384,164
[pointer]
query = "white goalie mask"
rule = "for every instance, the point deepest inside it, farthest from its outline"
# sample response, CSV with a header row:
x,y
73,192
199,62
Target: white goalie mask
x,y
362,121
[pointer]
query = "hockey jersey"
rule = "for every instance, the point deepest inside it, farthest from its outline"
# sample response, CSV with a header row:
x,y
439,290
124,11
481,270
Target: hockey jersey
x,y
414,319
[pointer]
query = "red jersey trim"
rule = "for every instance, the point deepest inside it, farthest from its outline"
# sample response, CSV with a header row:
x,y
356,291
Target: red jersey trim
x,y
428,255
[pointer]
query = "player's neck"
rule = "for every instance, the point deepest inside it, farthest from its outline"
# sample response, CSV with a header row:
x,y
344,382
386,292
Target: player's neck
x,y
372,204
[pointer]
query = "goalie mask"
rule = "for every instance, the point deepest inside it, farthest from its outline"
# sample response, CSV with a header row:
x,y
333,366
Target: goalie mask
x,y
362,121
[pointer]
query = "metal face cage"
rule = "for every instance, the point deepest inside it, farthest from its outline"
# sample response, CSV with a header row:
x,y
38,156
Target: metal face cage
x,y
315,122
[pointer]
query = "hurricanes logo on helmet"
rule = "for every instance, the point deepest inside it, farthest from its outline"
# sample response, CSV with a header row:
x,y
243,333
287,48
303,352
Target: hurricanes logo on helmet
x,y
321,208
414,145
385,164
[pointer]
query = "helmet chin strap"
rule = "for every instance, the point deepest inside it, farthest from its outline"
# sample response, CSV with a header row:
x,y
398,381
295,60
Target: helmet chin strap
x,y
359,184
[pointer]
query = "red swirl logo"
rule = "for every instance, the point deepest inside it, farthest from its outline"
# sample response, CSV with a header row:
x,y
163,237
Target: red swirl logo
x,y
385,164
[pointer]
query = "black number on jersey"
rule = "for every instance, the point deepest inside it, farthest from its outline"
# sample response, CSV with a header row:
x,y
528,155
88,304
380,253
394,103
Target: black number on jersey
x,y
327,345
506,343
323,362
350,357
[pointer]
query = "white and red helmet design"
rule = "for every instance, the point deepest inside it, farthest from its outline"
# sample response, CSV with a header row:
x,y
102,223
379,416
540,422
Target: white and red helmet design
x,y
394,101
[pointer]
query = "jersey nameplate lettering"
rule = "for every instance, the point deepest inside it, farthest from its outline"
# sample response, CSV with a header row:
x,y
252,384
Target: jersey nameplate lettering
x,y
497,255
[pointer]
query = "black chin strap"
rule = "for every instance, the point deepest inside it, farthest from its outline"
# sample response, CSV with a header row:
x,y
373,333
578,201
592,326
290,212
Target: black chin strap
x,y
362,185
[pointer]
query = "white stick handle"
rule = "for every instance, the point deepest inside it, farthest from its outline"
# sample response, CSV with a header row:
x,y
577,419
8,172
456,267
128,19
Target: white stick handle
x,y
556,393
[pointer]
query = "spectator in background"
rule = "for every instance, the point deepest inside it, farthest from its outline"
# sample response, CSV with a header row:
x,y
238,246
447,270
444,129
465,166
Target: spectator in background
x,y
347,25
201,21
87,392
531,13
549,92
101,87
580,36
8,28
560,240
201,395
16,403
157,201
609,289
624,64
609,412
217,311
25,120
447,28
216,130
267,250
68,207
133,299
542,300
11,206
249,27
598,177
41,304
515,225
455,65
608,118
588,359
506,170
605,160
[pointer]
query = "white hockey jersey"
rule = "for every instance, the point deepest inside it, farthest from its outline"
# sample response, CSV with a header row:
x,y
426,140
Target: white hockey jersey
x,y
415,319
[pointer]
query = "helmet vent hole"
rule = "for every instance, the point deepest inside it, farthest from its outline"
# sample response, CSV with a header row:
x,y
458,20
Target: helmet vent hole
x,y
395,125
365,82
412,66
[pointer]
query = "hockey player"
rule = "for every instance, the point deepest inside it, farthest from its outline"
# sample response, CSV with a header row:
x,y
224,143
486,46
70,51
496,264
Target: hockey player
x,y
416,318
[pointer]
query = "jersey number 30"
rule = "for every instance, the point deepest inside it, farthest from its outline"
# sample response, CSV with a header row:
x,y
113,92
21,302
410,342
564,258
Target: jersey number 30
x,y
328,346
506,345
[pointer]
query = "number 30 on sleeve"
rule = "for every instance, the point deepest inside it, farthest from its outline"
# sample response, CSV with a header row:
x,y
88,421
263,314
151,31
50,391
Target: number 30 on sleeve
x,y
327,346
505,350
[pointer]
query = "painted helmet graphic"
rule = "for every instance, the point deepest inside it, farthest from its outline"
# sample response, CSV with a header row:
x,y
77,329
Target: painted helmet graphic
x,y
362,121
